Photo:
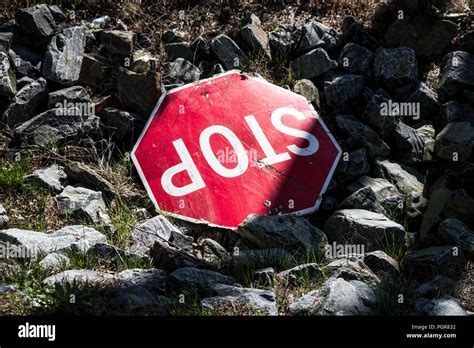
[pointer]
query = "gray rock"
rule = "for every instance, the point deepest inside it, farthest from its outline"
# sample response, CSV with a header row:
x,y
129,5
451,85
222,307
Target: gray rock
x,y
254,35
22,82
308,90
3,217
421,93
438,286
316,34
152,279
51,177
170,257
84,174
379,115
26,61
284,39
282,231
7,76
353,31
261,258
441,306
125,126
395,67
363,198
415,206
313,64
406,179
5,41
305,271
264,277
428,36
75,94
455,232
363,135
27,103
385,192
118,42
173,35
63,58
37,22
355,166
181,50
357,226
181,71
454,111
380,263
337,297
199,278
147,233
455,141
82,202
75,237
357,60
352,267
260,302
343,89
410,144
139,92
7,289
138,300
456,74
80,278
144,62
229,53
54,262
424,264
93,70
213,252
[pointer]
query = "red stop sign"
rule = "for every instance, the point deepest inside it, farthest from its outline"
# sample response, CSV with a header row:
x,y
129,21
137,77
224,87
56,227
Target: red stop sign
x,y
220,149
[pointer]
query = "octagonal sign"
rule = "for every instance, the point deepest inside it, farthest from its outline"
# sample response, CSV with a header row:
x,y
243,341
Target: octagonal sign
x,y
220,149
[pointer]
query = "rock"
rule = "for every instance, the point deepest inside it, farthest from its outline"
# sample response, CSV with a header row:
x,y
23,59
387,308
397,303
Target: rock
x,y
261,258
7,289
316,34
363,198
82,203
80,278
37,22
455,141
380,263
22,82
284,39
428,36
355,166
7,77
351,267
170,257
308,90
353,31
256,301
152,279
395,67
425,96
199,278
55,125
343,89
357,226
140,92
75,237
63,58
254,36
230,55
27,103
3,217
180,71
264,277
410,144
455,232
454,111
147,233
62,97
51,178
57,13
313,64
137,300
173,35
363,135
295,275
82,173
26,61
93,70
438,286
282,231
406,179
125,126
415,206
337,297
144,62
5,41
118,42
213,252
181,50
456,73
424,264
357,59
441,306
444,204
385,192
54,262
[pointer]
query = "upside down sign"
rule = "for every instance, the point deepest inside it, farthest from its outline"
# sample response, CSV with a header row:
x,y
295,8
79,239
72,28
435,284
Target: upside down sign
x,y
220,149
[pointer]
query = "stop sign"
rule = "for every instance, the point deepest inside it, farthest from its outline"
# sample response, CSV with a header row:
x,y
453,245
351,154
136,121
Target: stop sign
x,y
220,149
